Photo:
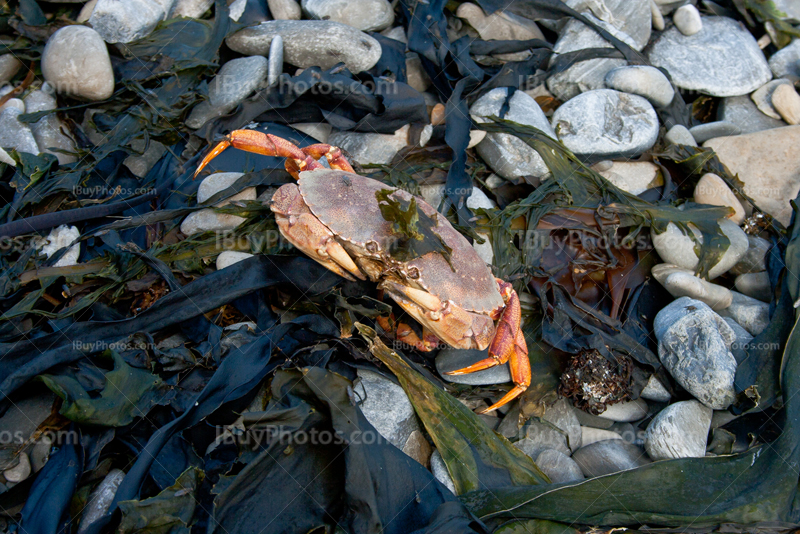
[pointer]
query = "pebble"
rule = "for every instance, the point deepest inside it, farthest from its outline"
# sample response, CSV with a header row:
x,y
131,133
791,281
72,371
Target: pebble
x,y
687,20
193,9
680,135
743,112
508,155
767,165
790,8
13,133
318,130
285,9
755,285
722,59
9,67
558,467
450,359
645,81
752,314
370,148
387,407
593,435
655,391
609,456
440,472
683,283
214,183
141,164
227,258
76,63
310,43
275,62
233,83
635,177
694,346
365,15
500,26
762,97
123,22
207,219
416,76
743,337
678,249
438,114
679,431
786,102
606,123
540,437
19,472
49,130
86,12
711,130
59,238
755,259
786,61
100,499
625,412
711,189
657,17
562,415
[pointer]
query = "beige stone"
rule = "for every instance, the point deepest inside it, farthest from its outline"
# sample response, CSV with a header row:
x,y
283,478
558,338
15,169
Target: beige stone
x,y
437,114
500,26
768,163
635,177
786,102
711,189
683,283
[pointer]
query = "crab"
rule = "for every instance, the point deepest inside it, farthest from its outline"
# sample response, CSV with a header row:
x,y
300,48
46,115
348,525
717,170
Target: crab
x,y
333,216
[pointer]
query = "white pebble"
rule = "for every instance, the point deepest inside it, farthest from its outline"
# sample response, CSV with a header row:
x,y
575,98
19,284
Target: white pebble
x,y
687,20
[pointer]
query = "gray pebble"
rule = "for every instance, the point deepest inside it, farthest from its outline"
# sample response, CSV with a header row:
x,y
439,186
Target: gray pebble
x,y
752,314
100,499
755,285
743,112
123,22
440,472
285,9
645,81
680,135
687,20
755,258
13,133
49,130
275,66
365,15
711,130
562,415
76,63
655,391
9,67
450,359
541,436
786,61
141,164
743,337
558,466
368,148
625,412
762,97
679,431
610,456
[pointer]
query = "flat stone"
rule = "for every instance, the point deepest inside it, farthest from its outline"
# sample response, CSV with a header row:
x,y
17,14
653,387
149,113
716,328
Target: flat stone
x,y
786,61
310,43
227,258
193,9
694,346
712,130
418,448
450,359
722,59
606,123
625,412
233,83
365,15
386,406
86,12
755,259
635,177
743,112
687,19
752,314
768,163
9,67
683,283
609,456
558,466
100,499
593,435
755,285
440,472
275,60
123,22
655,391
285,9
562,415
320,131
679,431
76,63
508,155
13,133
49,130
786,102
214,183
645,81
762,97
19,424
678,249
711,189
367,148
540,437
680,135
743,337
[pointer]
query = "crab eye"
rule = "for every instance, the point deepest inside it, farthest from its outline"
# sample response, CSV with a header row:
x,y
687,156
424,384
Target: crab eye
x,y
372,247
413,273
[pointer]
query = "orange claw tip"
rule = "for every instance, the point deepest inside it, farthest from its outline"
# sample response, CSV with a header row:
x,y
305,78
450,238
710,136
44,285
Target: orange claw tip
x,y
224,143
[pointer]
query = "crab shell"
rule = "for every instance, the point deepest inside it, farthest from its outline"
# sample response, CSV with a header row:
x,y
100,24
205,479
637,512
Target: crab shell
x,y
346,205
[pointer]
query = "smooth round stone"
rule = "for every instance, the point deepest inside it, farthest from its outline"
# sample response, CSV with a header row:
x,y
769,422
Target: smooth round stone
x,y
755,285
416,76
679,431
657,17
752,314
284,9
711,130
755,259
227,258
593,435
508,155
9,67
450,359
193,9
386,406
635,177
207,220
645,81
680,135
687,20
275,61
558,466
539,437
310,43
100,499
762,97
13,133
743,112
678,249
711,189
75,62
625,412
58,238
214,183
655,391
606,123
610,456
722,59
683,283
786,102
123,22
365,15
786,61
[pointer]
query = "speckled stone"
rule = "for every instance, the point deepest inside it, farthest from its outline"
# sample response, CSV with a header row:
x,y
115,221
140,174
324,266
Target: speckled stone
x,y
365,15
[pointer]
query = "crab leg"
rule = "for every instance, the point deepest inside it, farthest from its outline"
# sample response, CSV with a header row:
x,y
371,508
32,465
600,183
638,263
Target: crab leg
x,y
509,346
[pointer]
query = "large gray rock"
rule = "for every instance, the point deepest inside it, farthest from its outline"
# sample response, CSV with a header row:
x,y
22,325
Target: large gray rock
x,y
450,359
558,466
786,61
75,63
642,80
722,59
694,345
13,133
365,15
743,112
233,83
606,123
508,155
679,431
609,456
49,130
125,21
310,43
